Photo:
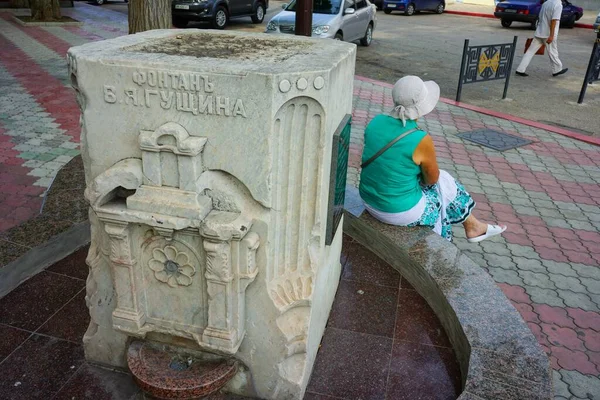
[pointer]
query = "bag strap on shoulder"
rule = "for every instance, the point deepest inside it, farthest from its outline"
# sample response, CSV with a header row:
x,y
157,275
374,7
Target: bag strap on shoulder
x,y
387,146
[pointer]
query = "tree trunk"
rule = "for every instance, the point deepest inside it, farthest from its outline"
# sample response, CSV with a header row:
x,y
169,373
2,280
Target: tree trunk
x,y
145,15
19,3
45,10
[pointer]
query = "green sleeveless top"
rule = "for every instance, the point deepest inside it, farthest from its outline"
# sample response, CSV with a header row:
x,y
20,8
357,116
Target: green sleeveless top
x,y
391,183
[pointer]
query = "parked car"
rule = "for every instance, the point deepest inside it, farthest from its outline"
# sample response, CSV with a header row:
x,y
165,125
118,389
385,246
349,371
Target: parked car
x,y
347,20
217,12
409,7
597,25
378,4
528,10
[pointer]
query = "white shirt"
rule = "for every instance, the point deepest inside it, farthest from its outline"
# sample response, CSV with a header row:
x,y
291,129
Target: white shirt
x,y
551,10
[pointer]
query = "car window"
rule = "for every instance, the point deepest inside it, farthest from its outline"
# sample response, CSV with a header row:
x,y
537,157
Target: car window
x,y
320,6
361,4
348,4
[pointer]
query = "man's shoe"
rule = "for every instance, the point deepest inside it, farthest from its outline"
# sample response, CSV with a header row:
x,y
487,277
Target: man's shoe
x,y
564,70
521,73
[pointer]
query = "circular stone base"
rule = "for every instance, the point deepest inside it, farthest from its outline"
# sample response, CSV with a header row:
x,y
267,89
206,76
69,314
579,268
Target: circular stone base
x,y
167,375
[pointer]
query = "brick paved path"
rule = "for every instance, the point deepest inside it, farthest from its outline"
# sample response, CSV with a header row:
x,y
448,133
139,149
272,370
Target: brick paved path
x,y
548,263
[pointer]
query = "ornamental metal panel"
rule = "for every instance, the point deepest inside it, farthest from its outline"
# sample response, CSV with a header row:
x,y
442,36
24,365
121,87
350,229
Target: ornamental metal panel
x,y
484,63
494,139
337,181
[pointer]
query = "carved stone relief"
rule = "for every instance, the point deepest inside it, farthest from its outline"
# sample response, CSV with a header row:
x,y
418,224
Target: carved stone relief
x,y
188,278
172,267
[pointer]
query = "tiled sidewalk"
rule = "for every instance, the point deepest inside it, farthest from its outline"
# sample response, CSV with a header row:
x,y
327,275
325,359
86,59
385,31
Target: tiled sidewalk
x,y
382,340
548,192
548,262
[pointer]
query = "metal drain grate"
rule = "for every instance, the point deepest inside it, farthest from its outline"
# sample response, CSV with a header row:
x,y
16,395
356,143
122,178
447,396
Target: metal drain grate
x,y
494,139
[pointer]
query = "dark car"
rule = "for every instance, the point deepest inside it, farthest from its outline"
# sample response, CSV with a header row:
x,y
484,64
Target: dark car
x,y
409,7
528,10
217,12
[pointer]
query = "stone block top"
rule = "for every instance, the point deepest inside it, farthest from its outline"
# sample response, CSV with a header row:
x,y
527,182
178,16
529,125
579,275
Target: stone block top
x,y
201,50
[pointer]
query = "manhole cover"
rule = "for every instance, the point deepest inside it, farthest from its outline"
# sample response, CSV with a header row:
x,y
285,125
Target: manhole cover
x,y
495,140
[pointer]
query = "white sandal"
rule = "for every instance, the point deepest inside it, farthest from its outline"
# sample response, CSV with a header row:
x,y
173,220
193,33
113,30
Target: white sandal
x,y
492,230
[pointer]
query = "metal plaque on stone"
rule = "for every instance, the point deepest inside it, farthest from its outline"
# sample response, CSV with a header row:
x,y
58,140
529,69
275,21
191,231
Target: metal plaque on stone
x,y
337,182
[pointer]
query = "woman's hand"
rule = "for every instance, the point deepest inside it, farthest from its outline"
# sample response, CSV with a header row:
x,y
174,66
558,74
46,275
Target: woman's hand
x,y
424,156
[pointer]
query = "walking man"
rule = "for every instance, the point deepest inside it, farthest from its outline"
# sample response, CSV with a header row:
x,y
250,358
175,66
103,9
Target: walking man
x,y
546,34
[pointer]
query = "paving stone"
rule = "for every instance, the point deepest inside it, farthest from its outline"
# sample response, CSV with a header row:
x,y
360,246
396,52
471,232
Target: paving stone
x,y
561,389
495,248
582,386
558,223
477,258
521,251
502,275
539,195
521,201
568,283
536,279
586,226
552,213
559,268
501,261
529,264
577,300
544,296
526,211
592,285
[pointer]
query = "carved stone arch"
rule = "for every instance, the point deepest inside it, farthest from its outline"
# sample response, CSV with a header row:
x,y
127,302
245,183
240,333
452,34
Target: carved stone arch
x,y
125,174
299,128
183,143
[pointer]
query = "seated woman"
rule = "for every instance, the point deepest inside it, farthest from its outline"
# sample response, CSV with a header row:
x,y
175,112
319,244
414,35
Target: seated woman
x,y
400,181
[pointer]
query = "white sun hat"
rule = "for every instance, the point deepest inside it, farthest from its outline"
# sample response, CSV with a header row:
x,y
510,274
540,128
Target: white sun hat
x,y
414,98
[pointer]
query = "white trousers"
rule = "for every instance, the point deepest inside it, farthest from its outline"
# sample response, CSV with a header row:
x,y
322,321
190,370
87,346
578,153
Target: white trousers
x,y
551,49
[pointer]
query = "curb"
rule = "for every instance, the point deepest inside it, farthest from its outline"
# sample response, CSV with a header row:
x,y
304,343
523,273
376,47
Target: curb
x,y
41,257
508,117
486,15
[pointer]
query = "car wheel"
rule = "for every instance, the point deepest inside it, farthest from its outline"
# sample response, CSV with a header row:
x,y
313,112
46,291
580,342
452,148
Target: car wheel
x,y
366,41
220,18
410,9
506,23
338,36
440,8
180,23
99,2
571,21
259,14
387,11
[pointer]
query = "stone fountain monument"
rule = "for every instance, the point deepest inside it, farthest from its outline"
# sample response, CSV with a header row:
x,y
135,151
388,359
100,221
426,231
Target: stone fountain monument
x,y
215,239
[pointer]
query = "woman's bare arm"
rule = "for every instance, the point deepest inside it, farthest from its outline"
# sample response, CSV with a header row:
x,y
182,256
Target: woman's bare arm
x,y
424,156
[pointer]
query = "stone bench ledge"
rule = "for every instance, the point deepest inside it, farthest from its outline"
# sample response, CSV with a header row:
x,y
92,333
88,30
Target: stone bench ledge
x,y
498,355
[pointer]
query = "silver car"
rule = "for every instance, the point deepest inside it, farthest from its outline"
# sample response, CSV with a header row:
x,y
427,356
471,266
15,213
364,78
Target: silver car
x,y
347,20
597,25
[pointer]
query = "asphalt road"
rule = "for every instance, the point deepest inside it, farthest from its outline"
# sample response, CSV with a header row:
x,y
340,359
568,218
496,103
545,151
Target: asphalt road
x,y
430,46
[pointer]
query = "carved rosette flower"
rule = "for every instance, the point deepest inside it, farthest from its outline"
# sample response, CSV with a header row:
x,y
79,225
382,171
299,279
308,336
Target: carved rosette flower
x,y
172,267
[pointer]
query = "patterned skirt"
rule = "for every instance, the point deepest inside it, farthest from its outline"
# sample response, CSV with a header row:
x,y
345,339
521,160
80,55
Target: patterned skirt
x,y
443,204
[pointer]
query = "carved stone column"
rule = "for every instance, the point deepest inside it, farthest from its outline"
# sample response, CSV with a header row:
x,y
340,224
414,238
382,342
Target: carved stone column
x,y
129,314
219,277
